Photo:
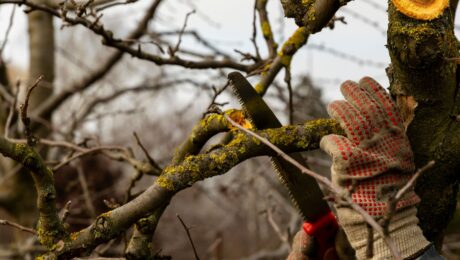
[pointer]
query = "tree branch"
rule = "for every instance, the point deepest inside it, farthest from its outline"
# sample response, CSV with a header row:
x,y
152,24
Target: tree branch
x,y
51,104
193,169
50,227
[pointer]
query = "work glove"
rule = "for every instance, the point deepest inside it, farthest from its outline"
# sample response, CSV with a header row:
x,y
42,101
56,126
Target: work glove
x,y
373,162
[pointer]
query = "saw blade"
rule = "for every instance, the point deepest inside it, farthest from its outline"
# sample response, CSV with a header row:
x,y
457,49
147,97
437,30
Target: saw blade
x,y
303,189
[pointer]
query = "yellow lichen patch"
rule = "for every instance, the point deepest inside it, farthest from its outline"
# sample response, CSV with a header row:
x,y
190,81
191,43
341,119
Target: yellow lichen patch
x,y
292,45
421,9
239,118
266,29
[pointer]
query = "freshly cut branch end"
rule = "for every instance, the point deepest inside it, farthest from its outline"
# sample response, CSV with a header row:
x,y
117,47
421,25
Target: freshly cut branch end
x,y
421,9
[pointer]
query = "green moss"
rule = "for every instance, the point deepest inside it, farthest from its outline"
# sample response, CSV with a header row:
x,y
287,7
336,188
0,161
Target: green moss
x,y
266,30
104,226
259,88
218,161
47,237
73,236
286,60
418,52
164,181
311,16
298,39
21,148
290,47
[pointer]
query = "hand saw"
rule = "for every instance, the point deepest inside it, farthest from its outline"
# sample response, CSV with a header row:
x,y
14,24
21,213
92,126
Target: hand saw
x,y
303,189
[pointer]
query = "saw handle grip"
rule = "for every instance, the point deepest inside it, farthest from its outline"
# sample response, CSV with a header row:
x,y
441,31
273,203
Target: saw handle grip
x,y
323,230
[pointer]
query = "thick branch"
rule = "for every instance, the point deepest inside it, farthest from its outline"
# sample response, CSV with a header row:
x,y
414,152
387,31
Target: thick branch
x,y
313,14
50,227
283,59
194,168
316,15
140,244
209,126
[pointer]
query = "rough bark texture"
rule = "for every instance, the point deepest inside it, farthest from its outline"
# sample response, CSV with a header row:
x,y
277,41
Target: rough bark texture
x,y
420,68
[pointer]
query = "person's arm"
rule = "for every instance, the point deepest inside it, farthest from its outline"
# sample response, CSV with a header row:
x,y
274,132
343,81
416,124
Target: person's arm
x,y
373,161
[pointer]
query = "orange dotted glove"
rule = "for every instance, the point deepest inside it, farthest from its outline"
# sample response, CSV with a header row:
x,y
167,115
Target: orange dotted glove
x,y
374,161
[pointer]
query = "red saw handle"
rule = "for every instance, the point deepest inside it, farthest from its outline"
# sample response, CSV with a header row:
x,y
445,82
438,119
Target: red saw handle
x,y
323,230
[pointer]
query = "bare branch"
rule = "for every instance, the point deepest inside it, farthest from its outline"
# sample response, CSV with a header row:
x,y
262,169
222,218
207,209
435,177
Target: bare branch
x,y
187,229
17,226
55,101
261,7
287,79
86,193
254,32
172,51
24,118
49,224
410,184
66,211
7,33
146,153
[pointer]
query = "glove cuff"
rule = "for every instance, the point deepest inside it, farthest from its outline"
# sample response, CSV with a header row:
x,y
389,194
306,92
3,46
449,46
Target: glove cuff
x,y
404,231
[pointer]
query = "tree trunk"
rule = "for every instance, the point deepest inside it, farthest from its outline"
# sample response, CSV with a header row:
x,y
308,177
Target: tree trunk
x,y
421,69
18,191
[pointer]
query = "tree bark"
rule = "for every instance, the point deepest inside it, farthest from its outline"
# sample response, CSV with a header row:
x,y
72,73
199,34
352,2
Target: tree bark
x,y
421,69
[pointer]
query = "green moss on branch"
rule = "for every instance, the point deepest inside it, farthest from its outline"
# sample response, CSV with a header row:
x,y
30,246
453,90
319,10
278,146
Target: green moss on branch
x,y
50,228
220,160
192,169
419,69
206,128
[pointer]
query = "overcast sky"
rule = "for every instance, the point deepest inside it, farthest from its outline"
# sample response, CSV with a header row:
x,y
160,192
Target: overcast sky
x,y
228,24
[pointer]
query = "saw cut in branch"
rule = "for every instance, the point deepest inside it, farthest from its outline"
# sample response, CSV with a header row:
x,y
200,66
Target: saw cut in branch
x,y
421,9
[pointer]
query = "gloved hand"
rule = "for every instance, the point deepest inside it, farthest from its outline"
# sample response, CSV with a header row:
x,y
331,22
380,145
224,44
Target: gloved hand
x,y
374,161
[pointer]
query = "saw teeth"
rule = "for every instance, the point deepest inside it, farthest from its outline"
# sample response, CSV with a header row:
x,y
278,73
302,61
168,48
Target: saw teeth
x,y
286,184
275,164
246,112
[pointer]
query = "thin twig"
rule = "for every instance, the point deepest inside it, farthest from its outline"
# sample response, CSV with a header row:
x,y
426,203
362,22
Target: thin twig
x,y
216,94
411,182
86,193
189,236
7,33
136,177
172,51
393,201
99,9
283,237
25,120
85,152
287,79
370,242
17,226
149,158
254,31
11,112
66,211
